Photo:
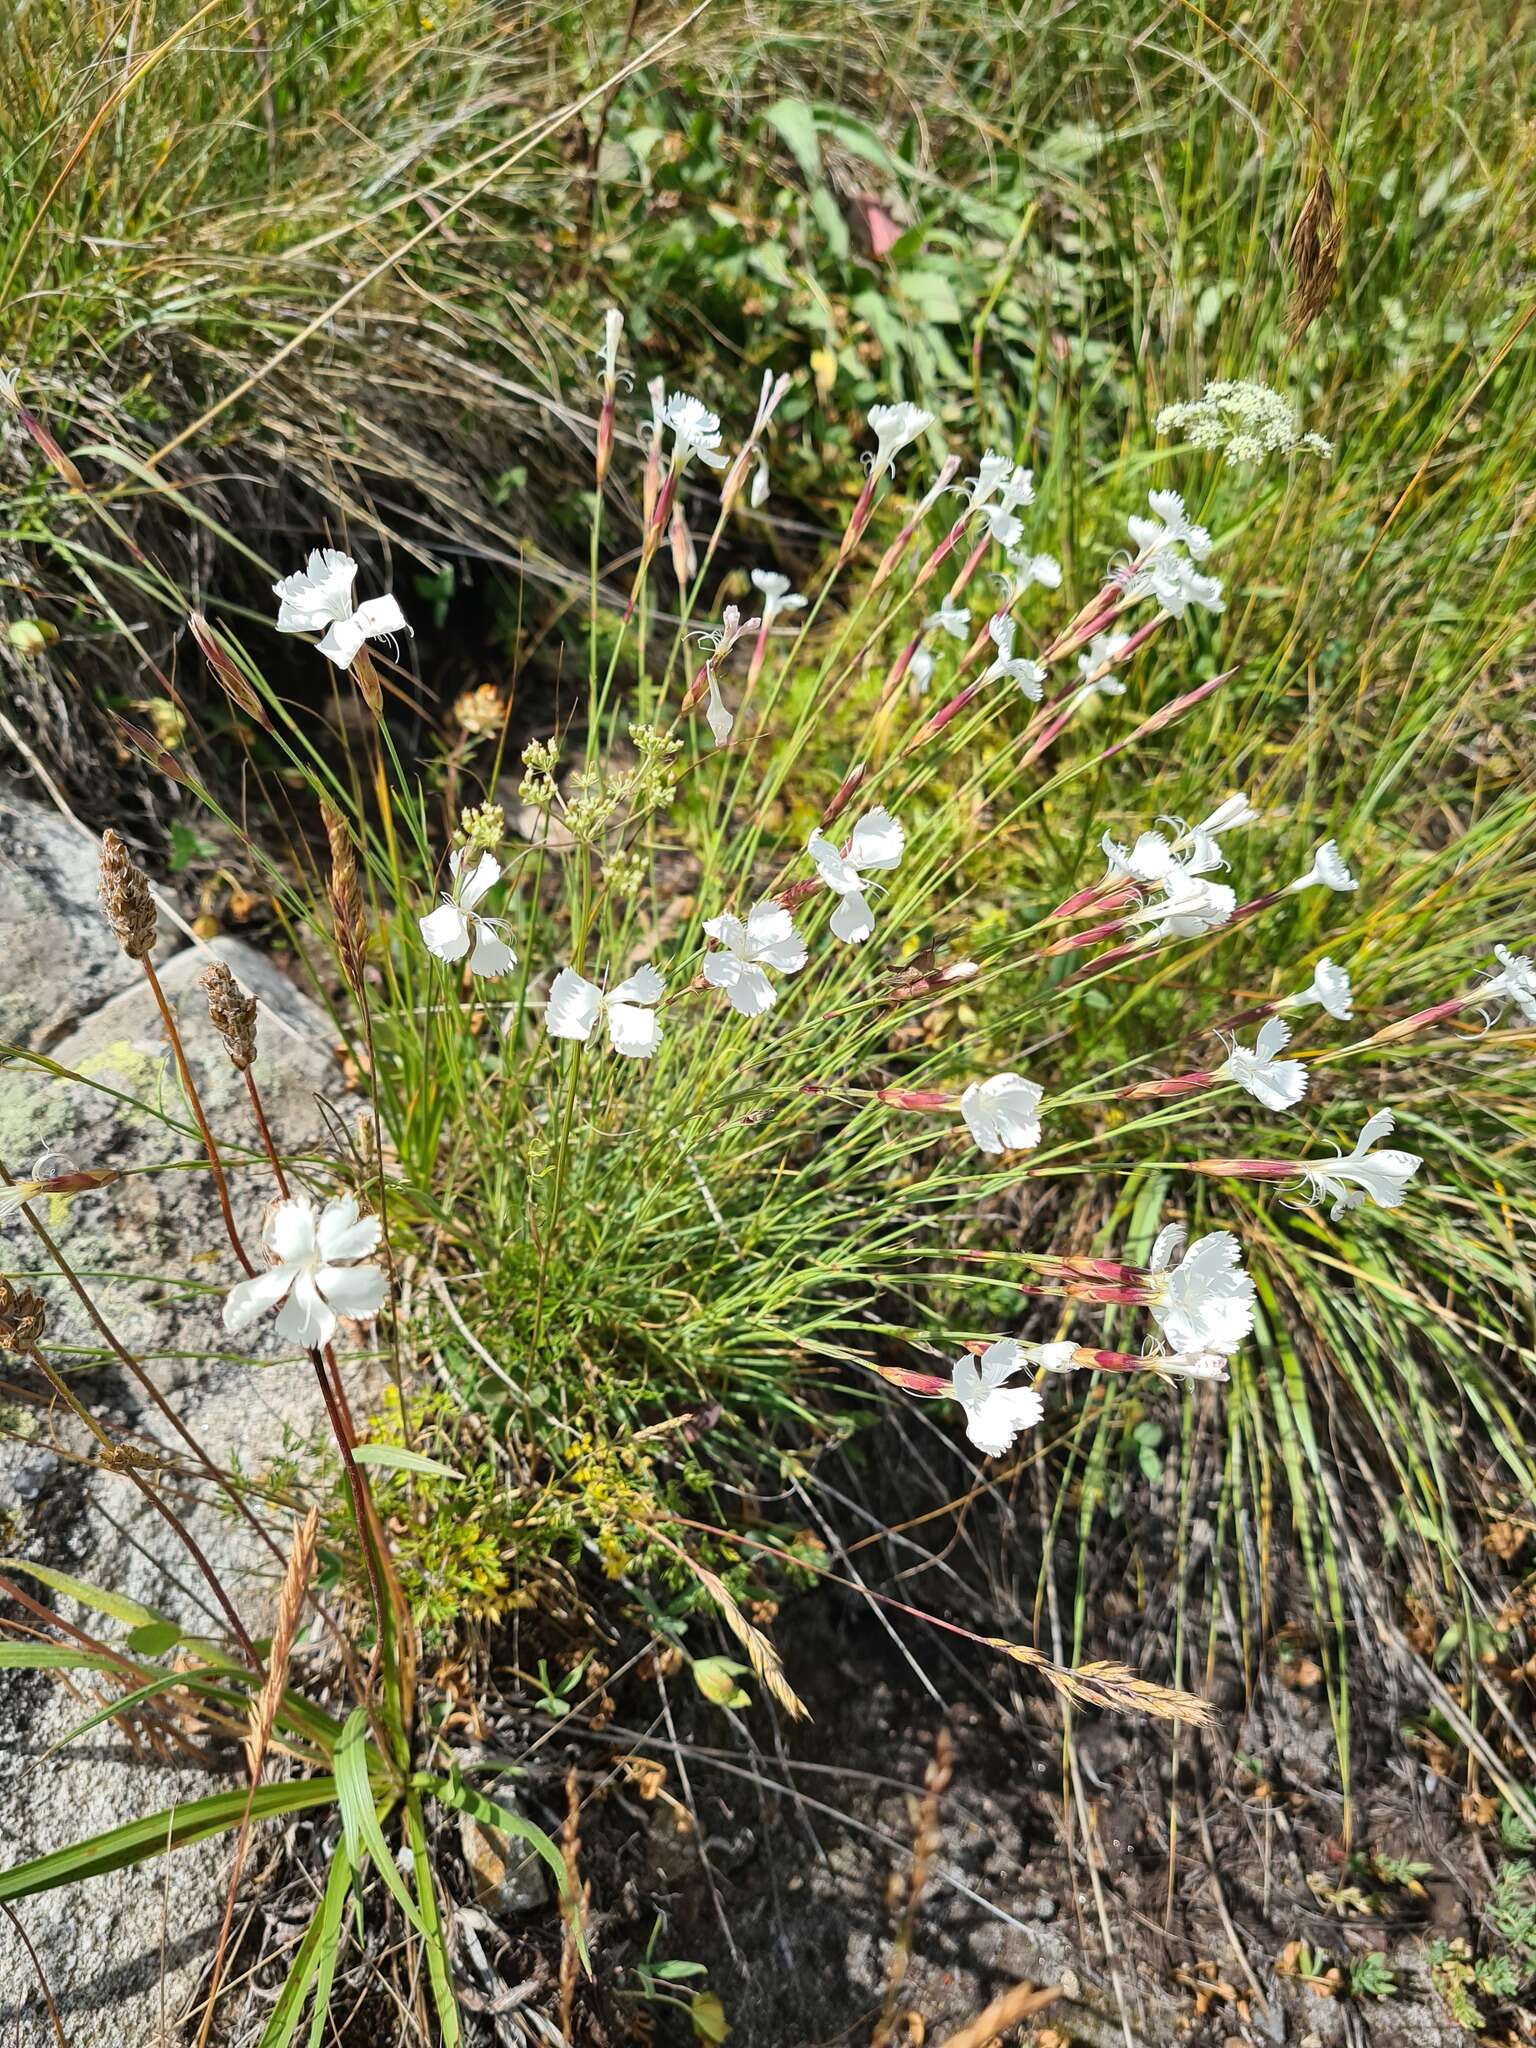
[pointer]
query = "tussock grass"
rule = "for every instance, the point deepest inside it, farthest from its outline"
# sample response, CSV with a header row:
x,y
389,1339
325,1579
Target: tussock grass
x,y
1106,205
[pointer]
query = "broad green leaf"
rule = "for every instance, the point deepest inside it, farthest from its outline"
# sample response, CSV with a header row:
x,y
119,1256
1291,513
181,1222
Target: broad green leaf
x,y
857,137
177,1828
716,1678
795,122
873,308
933,295
153,1638
359,1815
829,218
395,1458
97,1598
708,2017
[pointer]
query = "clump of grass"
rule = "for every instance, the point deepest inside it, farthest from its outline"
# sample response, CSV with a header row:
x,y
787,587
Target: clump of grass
x,y
649,1290
731,1196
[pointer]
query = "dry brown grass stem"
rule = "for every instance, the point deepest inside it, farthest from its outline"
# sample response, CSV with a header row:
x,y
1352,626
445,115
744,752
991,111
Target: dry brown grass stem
x,y
1019,2004
904,1899
570,1852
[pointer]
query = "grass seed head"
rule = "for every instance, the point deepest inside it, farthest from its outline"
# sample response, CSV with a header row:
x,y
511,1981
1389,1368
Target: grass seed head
x,y
232,1013
126,899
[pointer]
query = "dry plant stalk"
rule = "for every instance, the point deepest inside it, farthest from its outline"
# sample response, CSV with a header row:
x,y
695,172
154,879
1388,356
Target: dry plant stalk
x,y
1015,2005
130,911
927,1838
262,1716
761,1654
570,1852
1315,243
346,898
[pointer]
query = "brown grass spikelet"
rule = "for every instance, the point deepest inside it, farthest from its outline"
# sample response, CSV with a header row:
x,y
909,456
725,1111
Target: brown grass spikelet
x,y
346,895
125,897
290,1610
1108,1684
225,672
1315,243
149,748
761,1654
232,1014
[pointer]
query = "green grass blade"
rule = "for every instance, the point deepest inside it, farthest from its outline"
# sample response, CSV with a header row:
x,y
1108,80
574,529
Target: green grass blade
x,y
99,1599
178,1827
443,2000
359,1815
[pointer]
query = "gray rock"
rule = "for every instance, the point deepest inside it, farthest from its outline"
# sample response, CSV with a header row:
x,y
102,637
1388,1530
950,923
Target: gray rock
x,y
118,1951
48,889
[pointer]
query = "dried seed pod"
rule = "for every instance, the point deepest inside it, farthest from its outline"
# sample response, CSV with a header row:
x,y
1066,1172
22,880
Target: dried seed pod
x,y
225,672
125,898
232,1013
23,1318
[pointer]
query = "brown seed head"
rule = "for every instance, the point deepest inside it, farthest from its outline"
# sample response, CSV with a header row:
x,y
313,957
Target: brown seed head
x,y
1315,243
23,1318
346,901
126,899
232,1013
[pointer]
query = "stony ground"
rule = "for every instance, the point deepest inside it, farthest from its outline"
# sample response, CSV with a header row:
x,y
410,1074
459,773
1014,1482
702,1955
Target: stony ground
x,y
120,1954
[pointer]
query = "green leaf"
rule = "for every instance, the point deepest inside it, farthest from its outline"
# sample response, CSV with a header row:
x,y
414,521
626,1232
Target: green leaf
x,y
454,1792
708,2017
395,1458
177,1828
193,1681
332,1919
716,1678
315,1959
873,308
932,294
186,847
51,1657
829,218
795,123
153,1638
857,137
359,1815
97,1598
438,1974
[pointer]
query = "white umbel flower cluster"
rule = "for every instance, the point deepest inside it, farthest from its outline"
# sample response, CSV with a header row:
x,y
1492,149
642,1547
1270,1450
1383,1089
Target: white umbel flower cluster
x,y
1248,421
